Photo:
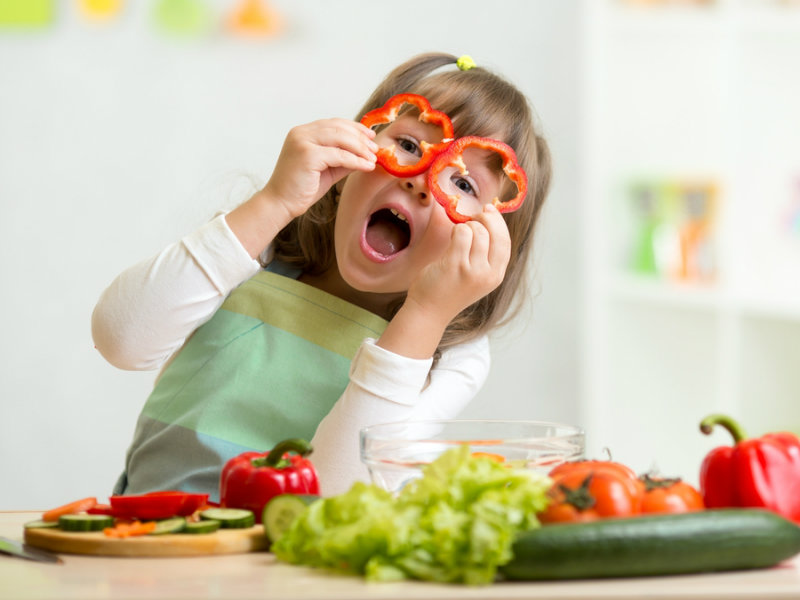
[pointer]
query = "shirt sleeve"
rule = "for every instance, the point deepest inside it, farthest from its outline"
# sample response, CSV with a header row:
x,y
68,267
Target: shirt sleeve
x,y
150,309
386,387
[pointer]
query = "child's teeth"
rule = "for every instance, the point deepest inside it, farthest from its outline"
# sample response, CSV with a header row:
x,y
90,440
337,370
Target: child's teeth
x,y
398,215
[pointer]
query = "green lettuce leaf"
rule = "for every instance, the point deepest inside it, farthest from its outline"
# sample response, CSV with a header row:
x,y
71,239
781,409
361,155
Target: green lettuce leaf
x,y
455,524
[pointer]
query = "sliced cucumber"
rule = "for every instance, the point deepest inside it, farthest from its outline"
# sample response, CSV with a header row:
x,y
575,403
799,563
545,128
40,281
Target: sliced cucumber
x,y
230,518
205,526
39,524
173,525
85,522
281,510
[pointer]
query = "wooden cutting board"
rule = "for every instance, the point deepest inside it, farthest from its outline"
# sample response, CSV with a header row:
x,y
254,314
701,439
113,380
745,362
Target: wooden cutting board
x,y
222,541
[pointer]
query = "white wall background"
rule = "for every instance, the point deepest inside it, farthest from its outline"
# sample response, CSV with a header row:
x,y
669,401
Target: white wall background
x,y
116,140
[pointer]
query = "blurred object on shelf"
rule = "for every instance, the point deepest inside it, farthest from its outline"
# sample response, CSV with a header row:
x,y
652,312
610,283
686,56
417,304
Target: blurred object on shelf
x,y
100,10
254,18
687,3
26,13
674,223
183,17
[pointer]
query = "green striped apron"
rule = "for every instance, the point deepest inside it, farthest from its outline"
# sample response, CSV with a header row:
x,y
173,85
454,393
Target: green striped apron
x,y
269,365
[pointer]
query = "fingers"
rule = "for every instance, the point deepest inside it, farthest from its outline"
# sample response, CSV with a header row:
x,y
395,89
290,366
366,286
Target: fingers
x,y
340,143
498,239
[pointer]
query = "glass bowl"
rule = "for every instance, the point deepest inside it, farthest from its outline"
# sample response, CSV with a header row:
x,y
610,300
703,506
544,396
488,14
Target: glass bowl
x,y
395,453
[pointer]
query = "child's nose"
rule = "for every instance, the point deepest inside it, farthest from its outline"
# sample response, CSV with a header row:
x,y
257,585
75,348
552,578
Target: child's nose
x,y
417,186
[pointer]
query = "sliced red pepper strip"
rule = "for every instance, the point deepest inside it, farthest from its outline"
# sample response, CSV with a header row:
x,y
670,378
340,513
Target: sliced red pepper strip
x,y
157,505
453,156
389,112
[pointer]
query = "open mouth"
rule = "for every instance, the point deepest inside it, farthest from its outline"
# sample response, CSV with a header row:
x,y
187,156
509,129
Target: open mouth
x,y
387,232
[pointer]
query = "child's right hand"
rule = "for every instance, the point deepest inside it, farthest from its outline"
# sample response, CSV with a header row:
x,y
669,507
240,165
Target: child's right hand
x,y
314,157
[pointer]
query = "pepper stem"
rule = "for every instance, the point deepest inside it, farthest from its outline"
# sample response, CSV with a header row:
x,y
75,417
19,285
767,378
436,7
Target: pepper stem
x,y
275,456
736,430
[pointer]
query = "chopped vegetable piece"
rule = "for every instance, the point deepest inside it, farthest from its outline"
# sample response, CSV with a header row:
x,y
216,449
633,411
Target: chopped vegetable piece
x,y
173,525
157,505
230,518
78,506
84,522
207,526
251,479
134,528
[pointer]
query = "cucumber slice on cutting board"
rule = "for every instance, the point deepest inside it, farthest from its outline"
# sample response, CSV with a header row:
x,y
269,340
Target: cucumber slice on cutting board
x,y
173,525
85,522
204,526
281,510
230,518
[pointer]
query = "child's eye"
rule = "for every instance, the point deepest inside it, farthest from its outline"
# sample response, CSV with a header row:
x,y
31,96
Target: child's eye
x,y
463,184
409,145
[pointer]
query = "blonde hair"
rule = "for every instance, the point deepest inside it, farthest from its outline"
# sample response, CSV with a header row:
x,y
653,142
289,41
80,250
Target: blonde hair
x,y
480,103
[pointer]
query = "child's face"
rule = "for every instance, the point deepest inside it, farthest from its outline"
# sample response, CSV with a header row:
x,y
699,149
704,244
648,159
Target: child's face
x,y
389,228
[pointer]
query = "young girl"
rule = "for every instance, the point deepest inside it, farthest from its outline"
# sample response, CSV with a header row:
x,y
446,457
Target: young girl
x,y
336,297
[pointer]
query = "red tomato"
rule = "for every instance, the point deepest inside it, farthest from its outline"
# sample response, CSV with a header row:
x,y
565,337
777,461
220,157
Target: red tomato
x,y
663,495
592,490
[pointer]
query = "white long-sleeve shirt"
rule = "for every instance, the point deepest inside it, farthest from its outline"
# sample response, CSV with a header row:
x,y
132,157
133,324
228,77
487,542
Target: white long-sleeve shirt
x,y
146,315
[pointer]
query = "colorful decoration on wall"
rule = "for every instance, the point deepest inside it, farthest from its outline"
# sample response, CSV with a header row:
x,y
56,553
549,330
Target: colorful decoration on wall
x,y
254,18
100,10
26,13
674,223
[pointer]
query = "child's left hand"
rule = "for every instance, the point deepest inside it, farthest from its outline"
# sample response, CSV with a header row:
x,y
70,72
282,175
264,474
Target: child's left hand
x,y
473,265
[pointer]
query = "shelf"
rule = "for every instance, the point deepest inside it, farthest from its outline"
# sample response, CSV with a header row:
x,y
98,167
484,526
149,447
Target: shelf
x,y
705,297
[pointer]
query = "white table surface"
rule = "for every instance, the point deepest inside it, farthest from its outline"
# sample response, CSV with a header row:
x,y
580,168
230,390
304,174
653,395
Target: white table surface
x,y
258,575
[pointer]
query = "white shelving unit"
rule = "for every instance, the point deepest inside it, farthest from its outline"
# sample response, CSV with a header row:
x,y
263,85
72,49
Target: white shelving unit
x,y
691,91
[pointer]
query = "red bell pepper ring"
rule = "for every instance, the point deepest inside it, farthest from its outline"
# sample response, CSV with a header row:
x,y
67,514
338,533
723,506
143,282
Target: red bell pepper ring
x,y
453,157
251,479
156,505
758,472
389,112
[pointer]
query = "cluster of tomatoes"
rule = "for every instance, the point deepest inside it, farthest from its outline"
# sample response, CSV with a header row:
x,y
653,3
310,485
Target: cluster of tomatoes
x,y
588,490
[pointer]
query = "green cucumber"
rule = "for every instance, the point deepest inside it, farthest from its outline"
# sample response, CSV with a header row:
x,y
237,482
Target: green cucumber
x,y
281,510
172,525
230,518
39,524
205,526
85,522
695,542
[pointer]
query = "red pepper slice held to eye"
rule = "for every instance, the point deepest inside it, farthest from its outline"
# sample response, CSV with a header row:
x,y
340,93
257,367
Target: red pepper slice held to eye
x,y
453,157
389,112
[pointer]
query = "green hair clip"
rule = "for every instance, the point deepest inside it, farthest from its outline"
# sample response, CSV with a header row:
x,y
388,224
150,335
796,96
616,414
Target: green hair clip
x,y
465,63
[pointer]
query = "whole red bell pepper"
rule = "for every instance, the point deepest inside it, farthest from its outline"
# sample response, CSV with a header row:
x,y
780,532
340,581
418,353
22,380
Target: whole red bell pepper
x,y
758,472
251,479
453,157
389,112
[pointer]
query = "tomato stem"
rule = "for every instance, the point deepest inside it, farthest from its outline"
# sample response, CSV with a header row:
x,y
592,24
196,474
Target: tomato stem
x,y
580,497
